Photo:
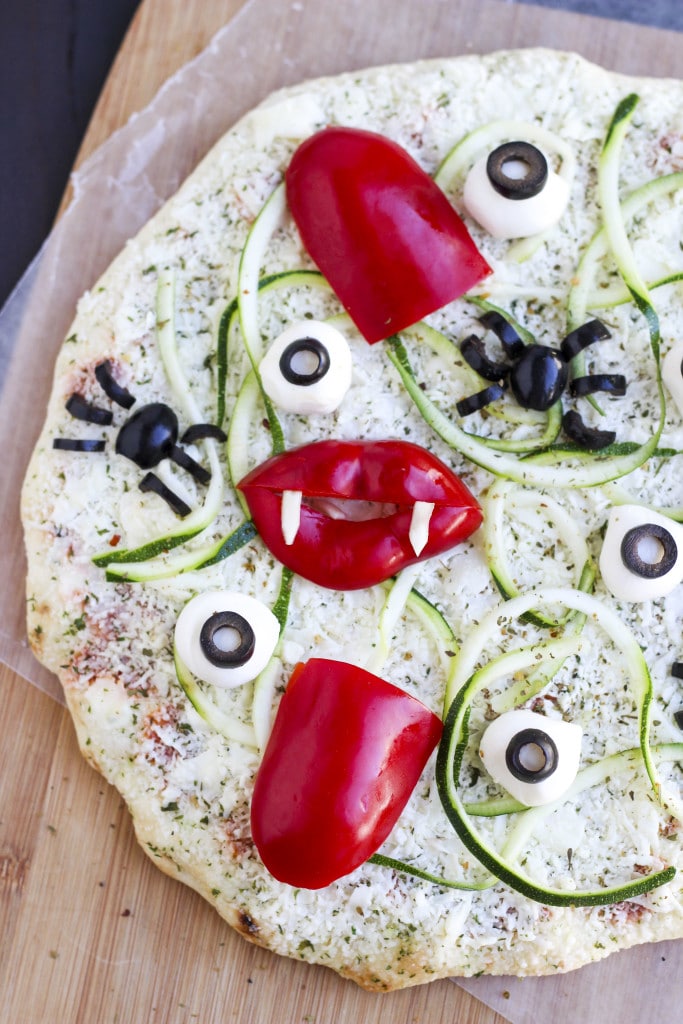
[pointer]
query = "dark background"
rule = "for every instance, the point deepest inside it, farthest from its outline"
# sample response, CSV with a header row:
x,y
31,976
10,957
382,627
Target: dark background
x,y
54,58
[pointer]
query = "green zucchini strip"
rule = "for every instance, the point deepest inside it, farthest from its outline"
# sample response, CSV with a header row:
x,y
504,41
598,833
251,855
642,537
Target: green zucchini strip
x,y
621,636
454,742
488,136
230,728
265,684
184,561
618,495
525,689
402,595
617,294
381,860
265,688
397,594
581,298
270,218
608,192
613,238
230,318
203,516
591,775
243,417
504,497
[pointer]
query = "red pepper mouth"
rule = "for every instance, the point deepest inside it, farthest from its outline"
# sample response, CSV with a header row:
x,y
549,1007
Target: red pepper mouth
x,y
349,514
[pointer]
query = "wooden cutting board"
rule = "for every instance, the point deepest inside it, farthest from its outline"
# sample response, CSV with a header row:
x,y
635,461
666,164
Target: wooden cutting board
x,y
90,931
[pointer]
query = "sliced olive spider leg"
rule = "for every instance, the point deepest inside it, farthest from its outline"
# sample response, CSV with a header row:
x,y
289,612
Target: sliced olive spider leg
x,y
589,384
586,437
185,461
474,354
479,400
504,331
610,383
580,338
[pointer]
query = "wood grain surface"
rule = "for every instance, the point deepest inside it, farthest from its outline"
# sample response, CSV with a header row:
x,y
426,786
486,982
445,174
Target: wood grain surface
x,y
90,930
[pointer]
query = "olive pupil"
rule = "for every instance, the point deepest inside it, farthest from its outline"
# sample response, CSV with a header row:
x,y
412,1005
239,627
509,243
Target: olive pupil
x,y
649,551
531,755
517,170
227,639
304,361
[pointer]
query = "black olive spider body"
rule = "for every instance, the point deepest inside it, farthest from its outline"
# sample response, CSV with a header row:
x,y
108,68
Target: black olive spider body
x,y
538,375
147,437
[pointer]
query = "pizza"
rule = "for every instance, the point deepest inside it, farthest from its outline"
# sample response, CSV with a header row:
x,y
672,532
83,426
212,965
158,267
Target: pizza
x,y
354,528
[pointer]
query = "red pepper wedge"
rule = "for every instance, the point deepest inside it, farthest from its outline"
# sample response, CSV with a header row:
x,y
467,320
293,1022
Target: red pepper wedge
x,y
346,751
380,229
351,553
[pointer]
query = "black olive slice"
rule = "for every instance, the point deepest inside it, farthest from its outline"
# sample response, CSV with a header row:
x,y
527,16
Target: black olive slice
x,y
185,461
151,482
523,156
312,347
631,556
504,331
678,718
201,431
590,438
677,670
227,657
111,387
531,755
466,406
580,338
77,407
611,383
539,377
77,444
474,354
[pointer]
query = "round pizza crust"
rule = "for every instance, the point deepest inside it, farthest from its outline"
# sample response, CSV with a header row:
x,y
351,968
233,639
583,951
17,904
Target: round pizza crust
x,y
110,641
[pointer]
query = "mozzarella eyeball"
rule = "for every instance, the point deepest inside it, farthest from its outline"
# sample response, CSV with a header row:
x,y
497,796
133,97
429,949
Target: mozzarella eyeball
x,y
533,757
642,554
225,638
512,193
672,373
307,369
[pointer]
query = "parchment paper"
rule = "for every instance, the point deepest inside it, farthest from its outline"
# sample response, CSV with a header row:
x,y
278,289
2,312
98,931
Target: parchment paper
x,y
123,184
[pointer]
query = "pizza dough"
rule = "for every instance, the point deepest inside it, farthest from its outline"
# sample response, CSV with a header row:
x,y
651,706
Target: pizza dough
x,y
184,754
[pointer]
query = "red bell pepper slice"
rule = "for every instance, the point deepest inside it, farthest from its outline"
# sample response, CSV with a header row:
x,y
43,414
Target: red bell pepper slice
x,y
379,228
346,751
351,553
